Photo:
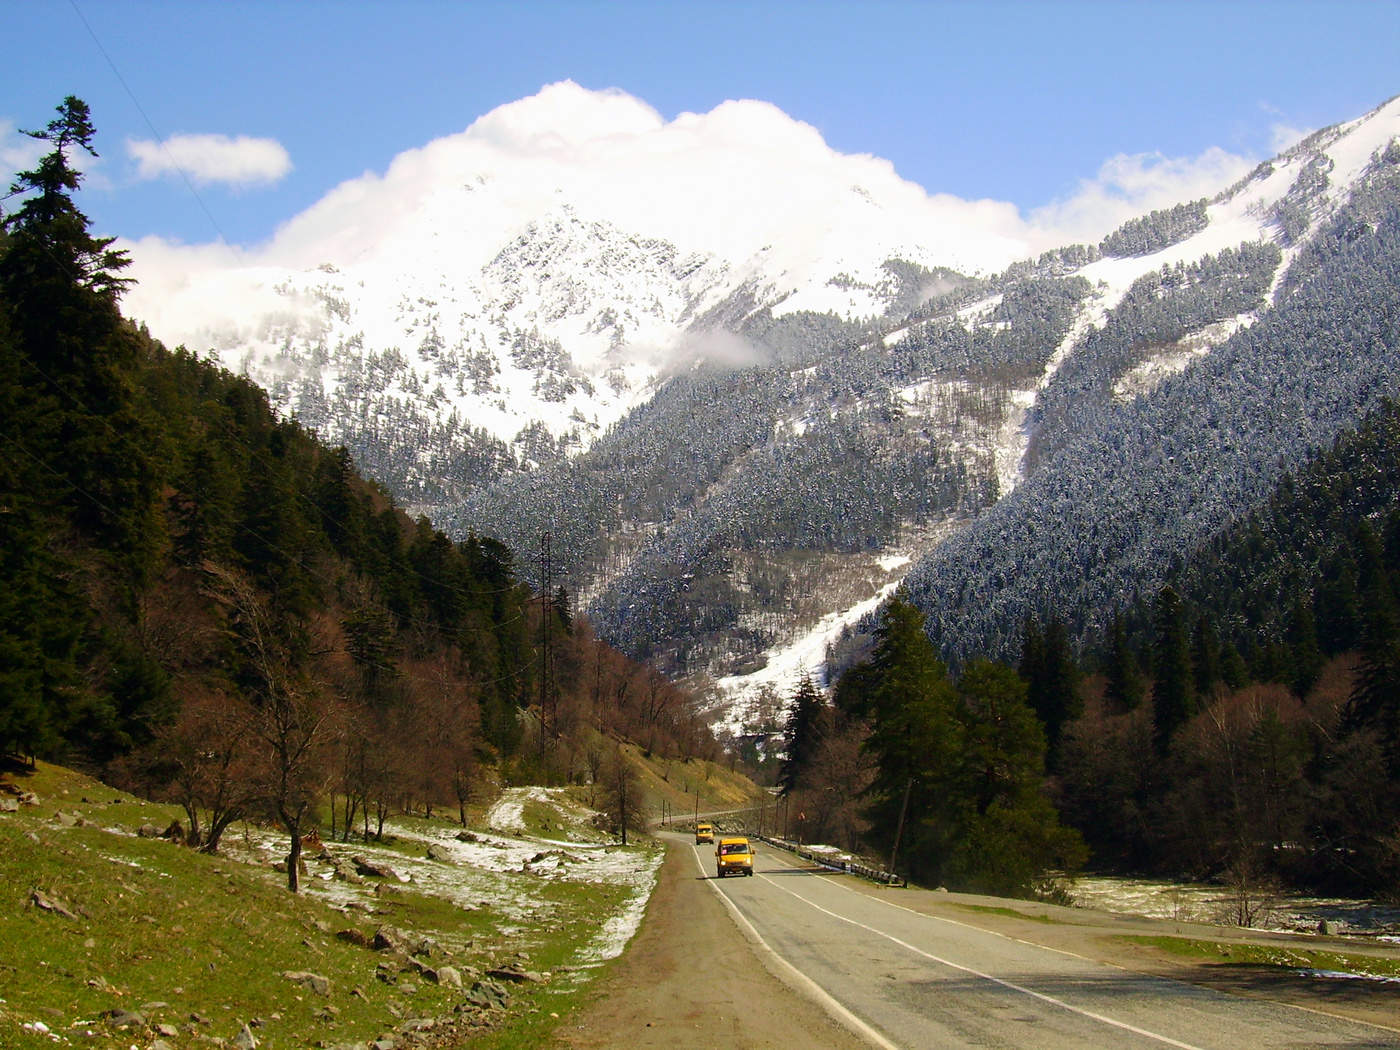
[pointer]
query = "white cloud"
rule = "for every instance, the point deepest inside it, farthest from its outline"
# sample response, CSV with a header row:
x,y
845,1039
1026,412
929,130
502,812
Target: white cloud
x,y
241,161
1128,185
18,152
743,183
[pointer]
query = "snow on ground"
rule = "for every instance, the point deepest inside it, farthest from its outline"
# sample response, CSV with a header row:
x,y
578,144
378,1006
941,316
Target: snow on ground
x,y
1217,904
501,871
785,664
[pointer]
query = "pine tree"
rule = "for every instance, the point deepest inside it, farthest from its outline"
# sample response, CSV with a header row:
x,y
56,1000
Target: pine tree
x,y
915,737
1172,699
1375,697
1052,677
1125,682
59,286
1205,657
802,736
1302,640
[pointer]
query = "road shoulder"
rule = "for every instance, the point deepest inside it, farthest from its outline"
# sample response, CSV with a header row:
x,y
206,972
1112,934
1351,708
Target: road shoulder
x,y
691,976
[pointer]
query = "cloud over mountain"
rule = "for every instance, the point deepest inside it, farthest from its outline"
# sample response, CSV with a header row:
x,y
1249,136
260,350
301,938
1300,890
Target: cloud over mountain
x,y
239,161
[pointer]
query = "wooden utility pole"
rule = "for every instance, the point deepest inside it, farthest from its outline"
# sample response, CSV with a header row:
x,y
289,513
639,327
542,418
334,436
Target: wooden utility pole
x,y
549,722
899,828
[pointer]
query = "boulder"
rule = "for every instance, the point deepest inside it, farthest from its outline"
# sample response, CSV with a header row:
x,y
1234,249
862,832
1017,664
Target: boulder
x,y
516,976
126,1019
373,869
313,981
446,976
486,995
389,939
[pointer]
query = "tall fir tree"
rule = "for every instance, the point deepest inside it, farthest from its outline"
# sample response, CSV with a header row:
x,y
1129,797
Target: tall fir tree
x,y
802,735
1126,687
1173,702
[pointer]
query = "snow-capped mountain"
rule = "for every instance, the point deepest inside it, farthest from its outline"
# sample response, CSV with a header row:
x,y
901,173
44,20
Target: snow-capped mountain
x,y
748,384
536,274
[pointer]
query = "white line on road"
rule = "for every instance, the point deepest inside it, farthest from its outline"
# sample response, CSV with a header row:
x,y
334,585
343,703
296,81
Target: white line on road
x,y
1090,1014
1315,1011
805,983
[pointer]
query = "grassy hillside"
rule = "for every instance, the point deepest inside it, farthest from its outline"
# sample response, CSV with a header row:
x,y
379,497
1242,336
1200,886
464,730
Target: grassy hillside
x,y
109,938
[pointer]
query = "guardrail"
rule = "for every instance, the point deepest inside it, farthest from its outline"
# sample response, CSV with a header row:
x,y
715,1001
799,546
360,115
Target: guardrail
x,y
842,864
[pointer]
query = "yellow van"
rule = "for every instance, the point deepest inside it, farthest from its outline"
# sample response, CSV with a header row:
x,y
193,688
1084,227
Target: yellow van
x,y
704,833
733,856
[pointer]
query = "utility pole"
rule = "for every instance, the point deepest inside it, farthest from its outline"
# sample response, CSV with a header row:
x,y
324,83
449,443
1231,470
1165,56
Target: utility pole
x,y
899,828
548,716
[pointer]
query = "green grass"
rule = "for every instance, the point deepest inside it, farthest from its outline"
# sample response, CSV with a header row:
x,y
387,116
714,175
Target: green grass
x,y
1011,913
1272,956
160,923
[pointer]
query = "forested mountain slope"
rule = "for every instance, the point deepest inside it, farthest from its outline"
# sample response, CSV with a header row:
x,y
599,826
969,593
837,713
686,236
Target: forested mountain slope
x,y
200,597
1129,485
732,438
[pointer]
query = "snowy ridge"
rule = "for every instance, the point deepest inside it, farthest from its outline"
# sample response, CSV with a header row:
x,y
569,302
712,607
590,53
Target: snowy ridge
x,y
575,221
1251,211
537,277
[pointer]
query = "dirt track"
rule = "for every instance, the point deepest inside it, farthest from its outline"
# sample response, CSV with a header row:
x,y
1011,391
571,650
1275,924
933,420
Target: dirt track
x,y
690,978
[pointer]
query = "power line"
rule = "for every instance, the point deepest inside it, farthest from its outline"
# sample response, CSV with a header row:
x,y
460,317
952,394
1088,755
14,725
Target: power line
x,y
189,184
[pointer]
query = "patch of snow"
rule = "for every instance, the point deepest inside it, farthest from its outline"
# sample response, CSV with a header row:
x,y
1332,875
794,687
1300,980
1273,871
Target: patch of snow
x,y
1215,904
784,665
1341,975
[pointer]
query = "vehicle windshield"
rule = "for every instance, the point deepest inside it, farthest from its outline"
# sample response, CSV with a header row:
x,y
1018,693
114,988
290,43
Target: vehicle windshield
x,y
734,847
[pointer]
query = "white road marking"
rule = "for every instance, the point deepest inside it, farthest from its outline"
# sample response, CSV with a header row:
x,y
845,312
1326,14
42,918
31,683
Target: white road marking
x,y
1315,1011
809,986
1090,1014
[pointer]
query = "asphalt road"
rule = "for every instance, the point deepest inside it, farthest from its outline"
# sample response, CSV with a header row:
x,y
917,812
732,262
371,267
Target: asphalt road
x,y
903,978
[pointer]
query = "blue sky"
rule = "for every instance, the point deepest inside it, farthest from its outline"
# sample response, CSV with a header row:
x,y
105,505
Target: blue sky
x,y
1017,102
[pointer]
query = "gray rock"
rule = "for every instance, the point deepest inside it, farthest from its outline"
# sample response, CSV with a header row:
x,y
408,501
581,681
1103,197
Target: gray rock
x,y
43,902
427,947
244,1040
447,976
126,1019
389,939
314,981
487,995
516,976
373,869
